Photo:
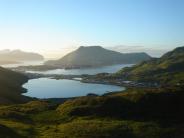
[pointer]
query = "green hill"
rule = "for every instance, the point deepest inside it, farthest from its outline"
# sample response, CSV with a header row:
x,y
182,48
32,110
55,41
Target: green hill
x,y
135,113
169,69
97,56
11,87
6,132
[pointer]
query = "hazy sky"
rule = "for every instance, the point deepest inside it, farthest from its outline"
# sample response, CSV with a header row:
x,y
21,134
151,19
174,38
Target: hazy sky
x,y
53,27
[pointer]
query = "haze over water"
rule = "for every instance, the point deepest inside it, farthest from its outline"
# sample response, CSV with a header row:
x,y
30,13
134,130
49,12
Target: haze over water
x,y
90,71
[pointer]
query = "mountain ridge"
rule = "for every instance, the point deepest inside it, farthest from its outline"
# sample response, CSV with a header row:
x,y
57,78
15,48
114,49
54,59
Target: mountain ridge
x,y
8,56
93,56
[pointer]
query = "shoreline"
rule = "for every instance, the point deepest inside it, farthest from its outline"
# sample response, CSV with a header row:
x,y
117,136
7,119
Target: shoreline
x,y
46,67
88,79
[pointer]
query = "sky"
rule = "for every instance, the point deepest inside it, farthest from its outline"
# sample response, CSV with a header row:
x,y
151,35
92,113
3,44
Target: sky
x,y
55,27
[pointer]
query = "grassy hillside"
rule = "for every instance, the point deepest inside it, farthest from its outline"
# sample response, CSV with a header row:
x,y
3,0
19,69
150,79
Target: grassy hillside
x,y
147,104
11,87
136,113
169,69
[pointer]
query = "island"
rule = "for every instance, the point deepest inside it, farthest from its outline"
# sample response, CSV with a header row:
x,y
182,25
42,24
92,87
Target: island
x,y
17,56
95,56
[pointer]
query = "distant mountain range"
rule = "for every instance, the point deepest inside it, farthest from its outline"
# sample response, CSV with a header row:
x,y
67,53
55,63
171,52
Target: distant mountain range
x,y
94,56
169,69
15,56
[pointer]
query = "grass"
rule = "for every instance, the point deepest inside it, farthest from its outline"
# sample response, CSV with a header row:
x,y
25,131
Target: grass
x,y
136,113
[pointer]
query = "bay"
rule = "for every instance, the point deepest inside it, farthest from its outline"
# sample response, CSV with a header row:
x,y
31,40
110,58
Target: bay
x,y
90,71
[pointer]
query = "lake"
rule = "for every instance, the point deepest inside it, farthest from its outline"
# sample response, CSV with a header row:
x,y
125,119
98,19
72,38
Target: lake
x,y
51,88
90,71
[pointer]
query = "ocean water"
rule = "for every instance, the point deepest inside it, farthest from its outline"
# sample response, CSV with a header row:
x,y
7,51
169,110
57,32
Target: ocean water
x,y
91,71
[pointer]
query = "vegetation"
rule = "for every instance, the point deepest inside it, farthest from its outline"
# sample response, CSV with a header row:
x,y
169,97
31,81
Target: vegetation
x,y
167,70
136,113
11,87
6,132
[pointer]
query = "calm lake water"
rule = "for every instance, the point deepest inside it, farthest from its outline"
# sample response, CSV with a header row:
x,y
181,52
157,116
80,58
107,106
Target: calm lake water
x,y
51,88
91,71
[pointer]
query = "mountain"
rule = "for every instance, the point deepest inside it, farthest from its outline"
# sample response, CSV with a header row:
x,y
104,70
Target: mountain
x,y
97,56
11,87
8,56
169,69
